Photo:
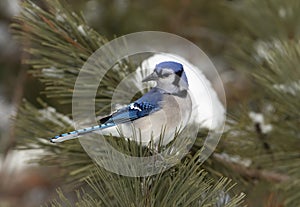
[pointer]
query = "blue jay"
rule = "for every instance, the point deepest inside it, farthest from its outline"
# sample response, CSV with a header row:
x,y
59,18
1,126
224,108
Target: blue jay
x,y
165,109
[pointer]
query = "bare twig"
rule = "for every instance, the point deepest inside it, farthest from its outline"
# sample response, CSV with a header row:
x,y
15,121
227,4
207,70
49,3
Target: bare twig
x,y
252,173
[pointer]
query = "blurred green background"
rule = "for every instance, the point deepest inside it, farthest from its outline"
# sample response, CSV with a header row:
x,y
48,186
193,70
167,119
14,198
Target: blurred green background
x,y
186,18
239,36
203,22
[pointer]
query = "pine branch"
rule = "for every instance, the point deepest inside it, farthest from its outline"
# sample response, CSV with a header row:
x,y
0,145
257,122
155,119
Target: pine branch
x,y
184,185
268,53
60,42
256,174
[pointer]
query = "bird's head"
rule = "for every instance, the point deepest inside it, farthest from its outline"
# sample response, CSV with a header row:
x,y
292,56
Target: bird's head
x,y
169,76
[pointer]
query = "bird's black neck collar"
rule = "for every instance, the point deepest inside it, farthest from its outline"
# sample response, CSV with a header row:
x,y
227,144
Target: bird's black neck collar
x,y
181,93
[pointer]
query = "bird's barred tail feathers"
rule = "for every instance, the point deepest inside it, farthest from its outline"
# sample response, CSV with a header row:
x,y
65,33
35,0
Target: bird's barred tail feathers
x,y
77,133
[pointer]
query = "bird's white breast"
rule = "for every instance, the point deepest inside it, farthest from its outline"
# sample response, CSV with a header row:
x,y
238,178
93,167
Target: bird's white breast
x,y
173,116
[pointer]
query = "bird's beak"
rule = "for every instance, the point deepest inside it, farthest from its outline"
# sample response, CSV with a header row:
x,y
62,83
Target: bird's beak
x,y
151,77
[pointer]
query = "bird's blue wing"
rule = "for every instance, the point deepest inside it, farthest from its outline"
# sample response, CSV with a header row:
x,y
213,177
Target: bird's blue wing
x,y
144,106
130,113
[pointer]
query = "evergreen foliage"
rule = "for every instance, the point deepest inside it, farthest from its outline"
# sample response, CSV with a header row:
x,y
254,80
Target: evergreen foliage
x,y
260,149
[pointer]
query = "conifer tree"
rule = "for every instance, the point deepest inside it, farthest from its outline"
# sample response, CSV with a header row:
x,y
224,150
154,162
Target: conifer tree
x,y
259,152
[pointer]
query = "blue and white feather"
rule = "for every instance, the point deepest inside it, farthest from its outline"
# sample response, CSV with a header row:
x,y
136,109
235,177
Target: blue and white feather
x,y
165,108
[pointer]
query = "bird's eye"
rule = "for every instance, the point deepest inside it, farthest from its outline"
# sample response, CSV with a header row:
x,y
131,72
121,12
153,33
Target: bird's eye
x,y
165,75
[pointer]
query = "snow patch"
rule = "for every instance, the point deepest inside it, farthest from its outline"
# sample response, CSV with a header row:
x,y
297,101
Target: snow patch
x,y
292,88
258,118
50,113
60,17
17,160
236,159
282,12
81,30
52,72
265,50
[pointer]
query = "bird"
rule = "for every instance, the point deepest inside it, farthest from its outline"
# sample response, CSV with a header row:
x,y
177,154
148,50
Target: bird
x,y
166,109
208,105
